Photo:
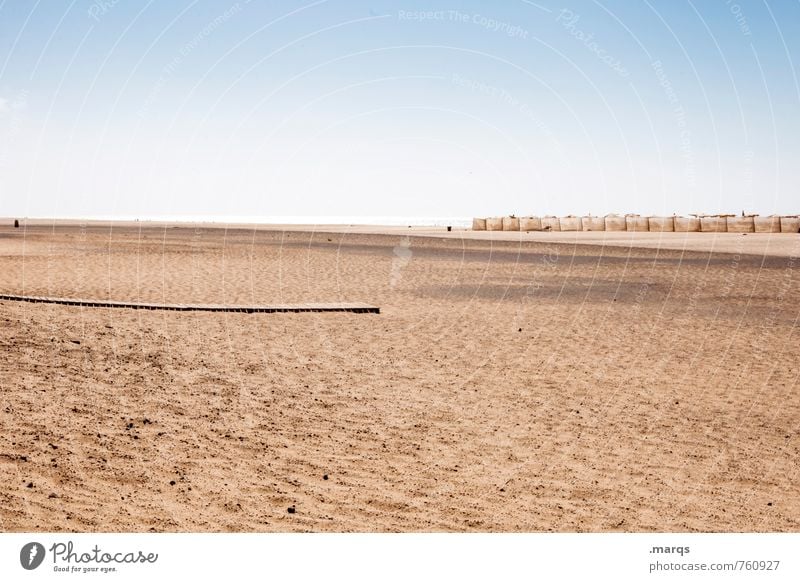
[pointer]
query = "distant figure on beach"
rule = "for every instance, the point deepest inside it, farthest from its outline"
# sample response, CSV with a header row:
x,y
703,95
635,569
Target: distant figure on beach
x,y
16,223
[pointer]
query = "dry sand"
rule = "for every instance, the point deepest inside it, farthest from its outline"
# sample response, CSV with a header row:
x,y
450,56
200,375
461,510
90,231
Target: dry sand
x,y
507,385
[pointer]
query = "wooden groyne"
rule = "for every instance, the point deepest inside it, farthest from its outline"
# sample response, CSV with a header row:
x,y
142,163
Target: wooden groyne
x,y
274,308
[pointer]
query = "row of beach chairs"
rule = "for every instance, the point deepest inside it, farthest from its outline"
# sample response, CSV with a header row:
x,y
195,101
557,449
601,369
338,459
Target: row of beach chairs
x,y
637,223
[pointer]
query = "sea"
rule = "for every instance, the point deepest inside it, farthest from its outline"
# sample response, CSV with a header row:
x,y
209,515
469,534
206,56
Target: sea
x,y
454,221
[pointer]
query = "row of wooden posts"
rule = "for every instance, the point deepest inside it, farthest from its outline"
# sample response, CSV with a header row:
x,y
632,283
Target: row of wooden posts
x,y
637,223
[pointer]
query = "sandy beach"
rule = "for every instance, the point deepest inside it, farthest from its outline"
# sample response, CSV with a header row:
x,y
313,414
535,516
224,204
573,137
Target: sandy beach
x,y
514,382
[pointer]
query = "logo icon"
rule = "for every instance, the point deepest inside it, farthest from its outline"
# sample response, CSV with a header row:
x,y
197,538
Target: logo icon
x,y
31,555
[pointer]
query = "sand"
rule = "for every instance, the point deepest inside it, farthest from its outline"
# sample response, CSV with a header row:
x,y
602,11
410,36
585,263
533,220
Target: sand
x,y
509,384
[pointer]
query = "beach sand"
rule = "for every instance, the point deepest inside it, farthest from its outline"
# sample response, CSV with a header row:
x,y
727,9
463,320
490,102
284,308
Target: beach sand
x,y
511,382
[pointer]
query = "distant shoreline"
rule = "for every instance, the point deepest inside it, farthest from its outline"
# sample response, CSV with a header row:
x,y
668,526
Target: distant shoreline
x,y
420,221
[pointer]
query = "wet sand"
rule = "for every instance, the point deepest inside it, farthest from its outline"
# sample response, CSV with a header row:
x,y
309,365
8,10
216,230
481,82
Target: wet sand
x,y
512,382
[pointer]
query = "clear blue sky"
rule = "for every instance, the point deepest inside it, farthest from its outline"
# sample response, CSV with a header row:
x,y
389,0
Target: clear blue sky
x,y
133,108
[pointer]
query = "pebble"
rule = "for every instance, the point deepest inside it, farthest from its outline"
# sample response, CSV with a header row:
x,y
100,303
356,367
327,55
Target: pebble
x,y
291,509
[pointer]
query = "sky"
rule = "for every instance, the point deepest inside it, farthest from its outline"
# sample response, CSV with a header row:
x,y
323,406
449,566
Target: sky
x,y
330,108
